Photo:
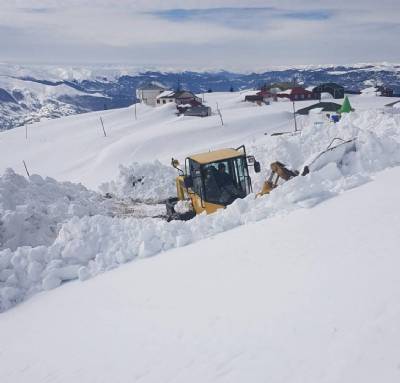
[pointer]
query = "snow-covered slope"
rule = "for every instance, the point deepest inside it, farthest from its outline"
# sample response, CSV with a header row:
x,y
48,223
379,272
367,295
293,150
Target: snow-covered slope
x,y
75,149
24,100
79,151
306,297
300,285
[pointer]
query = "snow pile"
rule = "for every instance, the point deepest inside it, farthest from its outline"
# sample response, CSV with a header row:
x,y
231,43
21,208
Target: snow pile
x,y
151,182
378,138
32,210
87,245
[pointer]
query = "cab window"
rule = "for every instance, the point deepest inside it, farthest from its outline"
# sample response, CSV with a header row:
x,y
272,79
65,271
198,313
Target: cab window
x,y
225,181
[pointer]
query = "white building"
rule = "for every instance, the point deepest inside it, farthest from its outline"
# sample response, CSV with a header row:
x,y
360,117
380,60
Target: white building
x,y
148,93
180,97
166,97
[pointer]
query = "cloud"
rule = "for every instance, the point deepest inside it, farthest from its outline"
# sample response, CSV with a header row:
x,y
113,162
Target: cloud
x,y
243,17
229,33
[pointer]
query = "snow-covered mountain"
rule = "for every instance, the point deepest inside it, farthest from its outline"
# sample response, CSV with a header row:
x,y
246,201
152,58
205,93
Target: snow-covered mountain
x,y
298,285
29,94
27,100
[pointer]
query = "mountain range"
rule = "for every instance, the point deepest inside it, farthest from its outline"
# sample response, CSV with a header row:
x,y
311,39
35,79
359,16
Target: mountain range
x,y
30,94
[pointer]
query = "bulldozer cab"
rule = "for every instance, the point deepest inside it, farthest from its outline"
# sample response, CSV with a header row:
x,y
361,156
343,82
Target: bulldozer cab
x,y
220,182
213,180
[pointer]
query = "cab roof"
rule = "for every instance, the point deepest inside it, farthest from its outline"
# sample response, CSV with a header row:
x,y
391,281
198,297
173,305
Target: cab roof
x,y
217,155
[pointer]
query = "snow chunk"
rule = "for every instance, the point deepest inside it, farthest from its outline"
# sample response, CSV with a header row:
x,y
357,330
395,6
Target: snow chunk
x,y
149,182
32,210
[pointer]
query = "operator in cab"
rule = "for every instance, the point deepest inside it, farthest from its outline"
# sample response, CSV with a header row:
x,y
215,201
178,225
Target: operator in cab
x,y
222,177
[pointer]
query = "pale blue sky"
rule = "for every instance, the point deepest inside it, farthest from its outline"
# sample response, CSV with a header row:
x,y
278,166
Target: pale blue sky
x,y
229,34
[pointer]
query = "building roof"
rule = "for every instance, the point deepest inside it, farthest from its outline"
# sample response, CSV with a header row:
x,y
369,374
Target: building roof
x,y
217,155
324,106
329,85
183,93
176,94
166,94
295,90
299,90
190,104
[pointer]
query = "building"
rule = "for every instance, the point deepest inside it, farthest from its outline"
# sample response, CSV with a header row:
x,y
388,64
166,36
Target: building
x,y
147,94
184,97
325,107
337,91
180,97
165,97
263,96
182,108
385,91
257,98
198,111
297,94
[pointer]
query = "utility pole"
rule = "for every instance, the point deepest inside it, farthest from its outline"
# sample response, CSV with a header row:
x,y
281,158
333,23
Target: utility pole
x,y
220,115
135,111
294,117
26,169
104,131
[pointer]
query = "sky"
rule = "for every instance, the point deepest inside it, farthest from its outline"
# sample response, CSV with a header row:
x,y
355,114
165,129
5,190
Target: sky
x,y
227,34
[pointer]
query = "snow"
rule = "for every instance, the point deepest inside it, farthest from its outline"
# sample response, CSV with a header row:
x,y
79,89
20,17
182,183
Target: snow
x,y
77,231
370,91
31,209
310,296
229,296
338,72
150,182
166,93
326,96
113,71
34,90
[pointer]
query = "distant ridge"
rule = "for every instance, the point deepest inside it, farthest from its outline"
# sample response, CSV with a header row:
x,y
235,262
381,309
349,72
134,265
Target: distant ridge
x,y
30,93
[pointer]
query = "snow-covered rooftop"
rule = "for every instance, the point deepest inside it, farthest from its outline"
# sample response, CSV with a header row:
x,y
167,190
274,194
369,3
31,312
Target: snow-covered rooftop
x,y
166,93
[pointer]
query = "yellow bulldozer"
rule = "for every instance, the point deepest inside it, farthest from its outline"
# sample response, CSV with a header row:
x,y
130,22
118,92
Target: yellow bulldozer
x,y
213,180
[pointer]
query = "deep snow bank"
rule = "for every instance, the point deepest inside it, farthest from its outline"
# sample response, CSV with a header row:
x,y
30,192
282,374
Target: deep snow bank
x,y
32,210
308,297
377,134
151,182
88,245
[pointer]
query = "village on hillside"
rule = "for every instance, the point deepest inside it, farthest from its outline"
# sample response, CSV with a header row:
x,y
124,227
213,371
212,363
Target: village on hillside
x,y
189,104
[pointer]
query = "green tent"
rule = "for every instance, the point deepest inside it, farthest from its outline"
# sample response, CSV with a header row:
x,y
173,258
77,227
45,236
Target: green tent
x,y
346,107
